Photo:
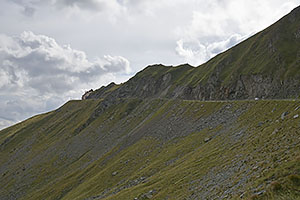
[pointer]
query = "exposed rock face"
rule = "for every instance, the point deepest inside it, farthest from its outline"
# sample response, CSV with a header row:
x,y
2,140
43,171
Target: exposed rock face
x,y
86,94
101,92
245,87
140,140
265,66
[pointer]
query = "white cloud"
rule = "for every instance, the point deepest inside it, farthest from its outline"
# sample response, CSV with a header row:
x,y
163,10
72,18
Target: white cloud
x,y
196,53
219,25
37,61
35,70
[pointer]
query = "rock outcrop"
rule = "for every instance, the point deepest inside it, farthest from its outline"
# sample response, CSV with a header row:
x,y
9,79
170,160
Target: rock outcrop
x,y
86,94
145,139
265,66
245,87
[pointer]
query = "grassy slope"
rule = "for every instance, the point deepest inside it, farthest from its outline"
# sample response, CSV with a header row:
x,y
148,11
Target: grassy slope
x,y
179,168
272,52
256,156
22,145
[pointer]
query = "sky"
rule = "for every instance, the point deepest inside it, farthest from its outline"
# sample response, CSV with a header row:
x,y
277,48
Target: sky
x,y
52,51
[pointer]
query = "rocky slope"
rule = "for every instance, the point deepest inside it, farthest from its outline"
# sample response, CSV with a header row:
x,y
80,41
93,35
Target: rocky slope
x,y
154,149
152,137
267,65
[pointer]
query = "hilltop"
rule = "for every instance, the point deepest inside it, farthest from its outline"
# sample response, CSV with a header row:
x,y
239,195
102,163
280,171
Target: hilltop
x,y
264,66
172,132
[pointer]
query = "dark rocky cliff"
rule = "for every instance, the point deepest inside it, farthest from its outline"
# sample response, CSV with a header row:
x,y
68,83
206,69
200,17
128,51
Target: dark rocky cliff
x,y
267,65
139,140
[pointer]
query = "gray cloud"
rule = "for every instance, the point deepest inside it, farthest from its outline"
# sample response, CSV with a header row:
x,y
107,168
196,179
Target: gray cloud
x,y
35,70
28,11
38,62
96,5
28,7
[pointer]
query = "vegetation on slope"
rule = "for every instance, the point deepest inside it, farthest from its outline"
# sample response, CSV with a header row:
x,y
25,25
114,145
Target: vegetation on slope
x,y
266,65
158,149
150,138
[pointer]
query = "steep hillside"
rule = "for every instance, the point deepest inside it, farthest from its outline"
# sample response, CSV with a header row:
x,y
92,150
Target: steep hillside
x,y
267,65
154,149
160,149
153,138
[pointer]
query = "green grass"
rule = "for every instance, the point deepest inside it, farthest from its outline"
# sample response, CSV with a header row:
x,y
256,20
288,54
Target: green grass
x,y
134,146
272,52
171,168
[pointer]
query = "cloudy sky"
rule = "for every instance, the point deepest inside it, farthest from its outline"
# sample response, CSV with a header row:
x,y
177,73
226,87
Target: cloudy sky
x,y
51,51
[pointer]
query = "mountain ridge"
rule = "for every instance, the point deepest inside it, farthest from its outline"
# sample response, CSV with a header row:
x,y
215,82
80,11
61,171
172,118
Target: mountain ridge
x,y
266,65
154,138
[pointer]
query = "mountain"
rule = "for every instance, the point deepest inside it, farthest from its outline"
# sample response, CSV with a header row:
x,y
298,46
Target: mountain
x,y
264,66
154,137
